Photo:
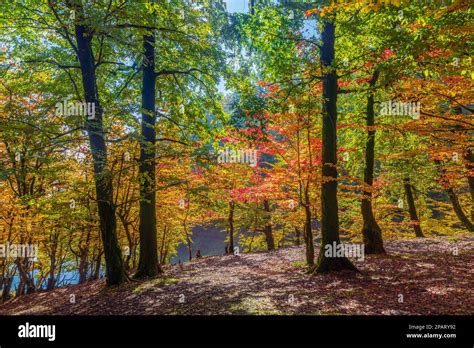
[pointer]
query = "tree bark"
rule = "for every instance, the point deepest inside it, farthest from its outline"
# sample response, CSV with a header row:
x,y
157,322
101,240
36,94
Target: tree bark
x,y
371,232
7,284
458,209
469,157
148,264
454,199
128,234
96,274
268,227
103,179
412,208
25,279
329,204
189,244
83,258
308,237
231,227
297,234
82,268
54,245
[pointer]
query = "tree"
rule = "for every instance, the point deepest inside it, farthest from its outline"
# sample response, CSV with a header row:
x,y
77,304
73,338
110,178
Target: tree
x,y
371,231
148,265
329,206
103,178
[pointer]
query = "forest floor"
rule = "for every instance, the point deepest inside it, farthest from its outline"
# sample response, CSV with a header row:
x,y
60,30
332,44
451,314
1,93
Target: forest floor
x,y
417,276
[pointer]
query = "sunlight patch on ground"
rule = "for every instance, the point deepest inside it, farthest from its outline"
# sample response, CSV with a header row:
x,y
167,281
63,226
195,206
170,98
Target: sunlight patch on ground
x,y
425,265
153,283
252,305
439,290
33,310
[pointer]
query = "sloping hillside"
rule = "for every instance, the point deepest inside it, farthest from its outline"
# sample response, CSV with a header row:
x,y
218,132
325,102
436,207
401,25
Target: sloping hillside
x,y
416,277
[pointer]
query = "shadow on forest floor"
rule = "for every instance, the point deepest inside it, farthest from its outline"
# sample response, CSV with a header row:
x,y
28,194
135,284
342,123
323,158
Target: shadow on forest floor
x,y
417,276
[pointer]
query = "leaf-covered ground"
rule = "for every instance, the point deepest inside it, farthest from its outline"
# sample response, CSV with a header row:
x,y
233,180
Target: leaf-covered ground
x,y
417,276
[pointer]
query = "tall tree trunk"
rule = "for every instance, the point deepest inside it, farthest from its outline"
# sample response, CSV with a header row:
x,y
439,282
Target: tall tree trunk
x,y
268,227
329,206
7,284
25,279
20,290
189,243
298,236
412,208
148,264
371,232
96,272
454,198
82,269
128,234
162,246
469,157
231,227
252,7
83,258
52,280
103,179
458,210
308,236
